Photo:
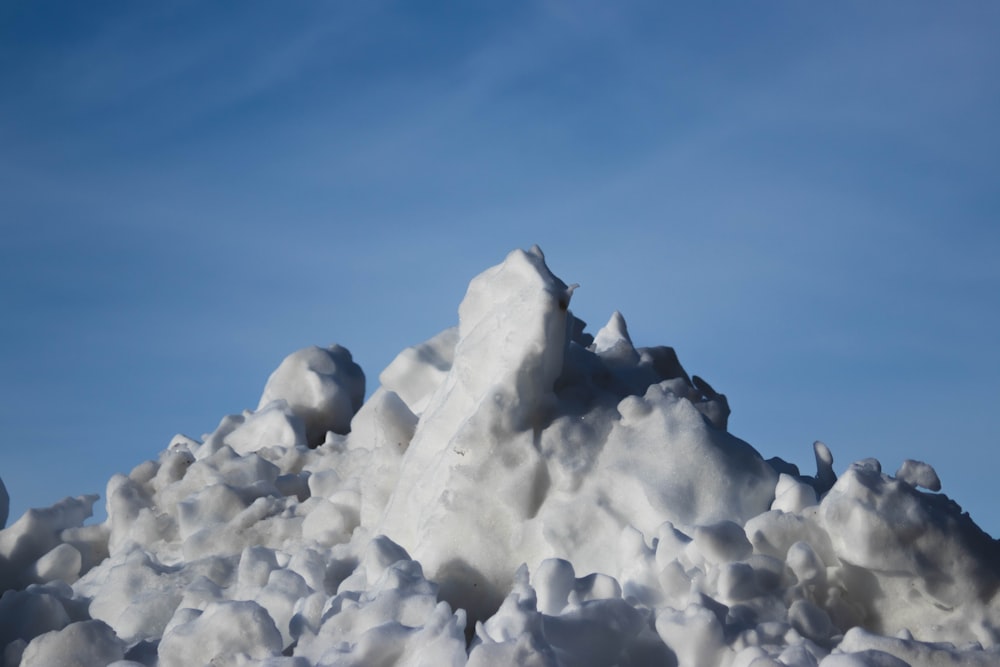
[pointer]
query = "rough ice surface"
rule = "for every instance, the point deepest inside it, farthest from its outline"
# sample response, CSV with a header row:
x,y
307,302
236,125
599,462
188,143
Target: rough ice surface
x,y
515,492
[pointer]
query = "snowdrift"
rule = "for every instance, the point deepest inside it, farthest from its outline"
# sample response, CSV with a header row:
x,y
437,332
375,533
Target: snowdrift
x,y
515,492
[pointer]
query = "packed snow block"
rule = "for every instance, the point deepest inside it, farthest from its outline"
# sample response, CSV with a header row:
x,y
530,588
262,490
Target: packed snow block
x,y
133,516
905,544
663,462
438,640
225,633
416,372
792,495
695,635
514,635
279,596
26,614
722,542
613,344
920,474
869,658
267,521
34,535
322,386
272,424
63,562
383,421
385,612
136,595
916,653
380,434
82,644
593,633
214,505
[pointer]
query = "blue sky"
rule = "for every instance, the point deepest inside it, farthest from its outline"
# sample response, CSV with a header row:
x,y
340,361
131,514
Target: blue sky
x,y
801,198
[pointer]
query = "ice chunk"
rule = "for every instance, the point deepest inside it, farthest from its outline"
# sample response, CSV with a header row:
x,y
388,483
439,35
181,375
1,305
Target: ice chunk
x,y
221,634
274,423
811,621
63,562
383,421
279,596
83,644
662,461
29,613
869,658
322,386
722,542
613,344
918,473
553,581
908,651
384,612
136,595
806,564
695,635
37,532
905,544
417,372
791,495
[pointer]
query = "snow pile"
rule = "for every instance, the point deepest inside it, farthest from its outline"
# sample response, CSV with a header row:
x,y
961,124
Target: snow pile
x,y
516,492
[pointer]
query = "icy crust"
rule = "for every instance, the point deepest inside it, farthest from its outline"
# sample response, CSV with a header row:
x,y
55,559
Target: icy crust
x,y
516,492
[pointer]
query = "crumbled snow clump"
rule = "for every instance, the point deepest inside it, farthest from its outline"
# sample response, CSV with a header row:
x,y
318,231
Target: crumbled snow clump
x,y
516,492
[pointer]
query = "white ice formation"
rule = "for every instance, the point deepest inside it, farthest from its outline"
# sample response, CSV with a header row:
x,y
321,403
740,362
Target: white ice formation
x,y
516,492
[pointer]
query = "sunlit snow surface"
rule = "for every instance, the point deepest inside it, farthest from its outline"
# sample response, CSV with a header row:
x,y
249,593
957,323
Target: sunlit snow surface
x,y
516,492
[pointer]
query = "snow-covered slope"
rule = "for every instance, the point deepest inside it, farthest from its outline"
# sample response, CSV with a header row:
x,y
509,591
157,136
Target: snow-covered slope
x,y
516,491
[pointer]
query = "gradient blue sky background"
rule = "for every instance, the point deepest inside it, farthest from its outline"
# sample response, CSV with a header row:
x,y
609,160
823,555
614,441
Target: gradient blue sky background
x,y
801,198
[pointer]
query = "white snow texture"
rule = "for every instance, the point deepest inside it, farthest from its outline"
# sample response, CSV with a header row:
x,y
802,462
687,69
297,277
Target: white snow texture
x,y
516,492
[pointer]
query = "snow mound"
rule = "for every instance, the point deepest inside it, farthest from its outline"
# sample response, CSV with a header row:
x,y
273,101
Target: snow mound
x,y
516,492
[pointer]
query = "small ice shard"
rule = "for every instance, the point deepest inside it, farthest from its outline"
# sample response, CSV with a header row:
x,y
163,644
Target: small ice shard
x,y
918,473
613,344
714,406
322,386
825,476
